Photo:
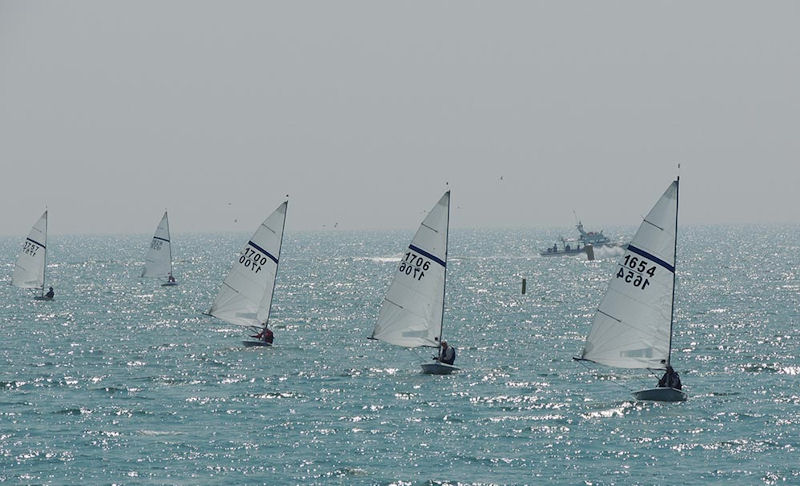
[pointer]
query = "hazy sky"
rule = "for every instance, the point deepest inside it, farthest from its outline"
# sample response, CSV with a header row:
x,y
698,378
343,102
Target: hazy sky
x,y
111,111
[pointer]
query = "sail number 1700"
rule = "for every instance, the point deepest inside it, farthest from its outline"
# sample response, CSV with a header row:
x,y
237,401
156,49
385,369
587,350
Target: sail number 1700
x,y
635,271
414,265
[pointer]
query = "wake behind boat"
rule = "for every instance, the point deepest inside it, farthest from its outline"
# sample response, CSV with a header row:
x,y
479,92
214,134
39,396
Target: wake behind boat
x,y
632,327
245,296
413,310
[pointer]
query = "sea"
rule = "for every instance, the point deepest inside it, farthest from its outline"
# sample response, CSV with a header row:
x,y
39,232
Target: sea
x,y
122,381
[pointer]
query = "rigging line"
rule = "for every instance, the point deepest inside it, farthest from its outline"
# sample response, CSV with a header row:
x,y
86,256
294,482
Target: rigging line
x,y
583,363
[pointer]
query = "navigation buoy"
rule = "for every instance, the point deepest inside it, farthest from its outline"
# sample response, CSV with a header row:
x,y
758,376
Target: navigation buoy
x,y
524,284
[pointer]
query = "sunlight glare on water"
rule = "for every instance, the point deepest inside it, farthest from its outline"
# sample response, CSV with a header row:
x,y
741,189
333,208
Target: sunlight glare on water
x,y
122,381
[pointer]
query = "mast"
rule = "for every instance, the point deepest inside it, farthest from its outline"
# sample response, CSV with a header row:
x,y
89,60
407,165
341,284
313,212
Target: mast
x,y
44,270
674,266
169,237
280,247
444,285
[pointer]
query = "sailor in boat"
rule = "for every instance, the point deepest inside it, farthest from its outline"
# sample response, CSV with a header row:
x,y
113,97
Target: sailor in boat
x,y
447,354
670,379
50,294
265,335
170,279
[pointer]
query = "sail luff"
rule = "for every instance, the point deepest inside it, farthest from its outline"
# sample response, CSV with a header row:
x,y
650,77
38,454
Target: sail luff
x,y
444,284
169,237
280,247
675,262
44,267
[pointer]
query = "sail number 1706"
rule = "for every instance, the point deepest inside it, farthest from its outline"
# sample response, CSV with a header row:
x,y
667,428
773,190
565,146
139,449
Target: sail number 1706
x,y
635,271
414,265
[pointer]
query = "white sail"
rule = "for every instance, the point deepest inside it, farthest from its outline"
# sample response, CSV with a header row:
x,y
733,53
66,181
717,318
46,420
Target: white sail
x,y
158,262
632,327
29,269
411,314
246,294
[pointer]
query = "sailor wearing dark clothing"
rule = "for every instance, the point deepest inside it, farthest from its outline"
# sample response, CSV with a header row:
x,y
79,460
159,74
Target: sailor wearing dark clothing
x,y
49,294
670,379
265,335
447,354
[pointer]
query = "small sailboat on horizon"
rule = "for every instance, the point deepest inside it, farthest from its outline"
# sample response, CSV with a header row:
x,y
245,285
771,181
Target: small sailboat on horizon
x,y
31,265
245,296
632,327
412,312
158,261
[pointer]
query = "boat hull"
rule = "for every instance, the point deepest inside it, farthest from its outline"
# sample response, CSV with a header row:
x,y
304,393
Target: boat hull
x,y
255,344
661,394
438,368
42,297
169,284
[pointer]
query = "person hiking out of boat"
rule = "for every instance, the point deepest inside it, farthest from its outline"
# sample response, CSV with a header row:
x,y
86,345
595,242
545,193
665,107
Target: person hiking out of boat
x,y
265,335
447,354
171,279
670,379
50,293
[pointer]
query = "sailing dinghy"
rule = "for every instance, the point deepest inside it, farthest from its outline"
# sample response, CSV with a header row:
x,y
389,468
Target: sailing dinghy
x,y
29,271
245,297
413,310
632,327
158,262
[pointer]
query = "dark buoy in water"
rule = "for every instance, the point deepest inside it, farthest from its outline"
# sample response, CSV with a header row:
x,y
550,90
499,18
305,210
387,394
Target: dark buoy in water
x,y
589,252
524,283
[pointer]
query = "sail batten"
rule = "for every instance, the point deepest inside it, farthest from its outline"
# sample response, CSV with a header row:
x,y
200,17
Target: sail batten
x,y
245,296
29,269
632,327
412,310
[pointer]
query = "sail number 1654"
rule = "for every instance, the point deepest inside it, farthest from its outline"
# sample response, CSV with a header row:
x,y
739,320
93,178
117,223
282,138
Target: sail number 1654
x,y
635,271
414,265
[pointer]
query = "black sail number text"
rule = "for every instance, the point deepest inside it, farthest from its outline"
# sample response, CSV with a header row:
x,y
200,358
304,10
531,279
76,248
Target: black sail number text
x,y
252,259
636,271
30,248
414,265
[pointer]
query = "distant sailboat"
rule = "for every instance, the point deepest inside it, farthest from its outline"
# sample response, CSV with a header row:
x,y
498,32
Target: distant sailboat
x,y
632,327
245,297
413,310
29,271
158,262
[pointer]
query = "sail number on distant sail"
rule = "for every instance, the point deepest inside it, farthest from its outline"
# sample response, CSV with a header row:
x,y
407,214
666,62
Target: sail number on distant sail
x,y
30,248
253,260
636,270
156,244
414,265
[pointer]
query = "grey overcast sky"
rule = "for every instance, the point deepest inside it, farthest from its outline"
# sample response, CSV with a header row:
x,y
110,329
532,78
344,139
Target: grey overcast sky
x,y
111,111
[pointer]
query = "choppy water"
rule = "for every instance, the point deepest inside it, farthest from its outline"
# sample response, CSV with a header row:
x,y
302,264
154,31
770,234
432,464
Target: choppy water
x,y
122,381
